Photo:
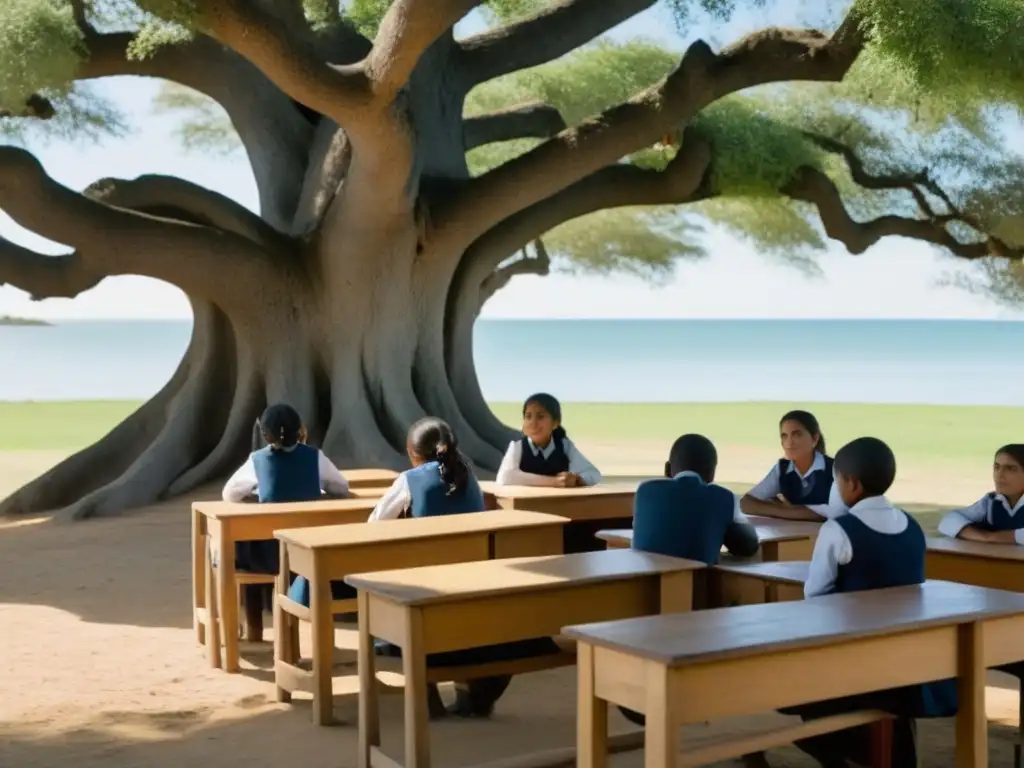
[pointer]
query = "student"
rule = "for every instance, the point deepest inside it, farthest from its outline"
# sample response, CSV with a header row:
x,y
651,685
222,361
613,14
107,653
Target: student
x,y
441,483
545,456
800,485
686,516
873,546
286,470
997,517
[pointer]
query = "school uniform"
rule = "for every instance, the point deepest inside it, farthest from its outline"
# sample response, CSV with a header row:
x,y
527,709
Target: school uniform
x,y
298,473
992,512
873,546
525,463
686,517
421,492
813,489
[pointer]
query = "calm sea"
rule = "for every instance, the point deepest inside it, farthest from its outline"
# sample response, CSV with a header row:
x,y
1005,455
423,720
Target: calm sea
x,y
928,361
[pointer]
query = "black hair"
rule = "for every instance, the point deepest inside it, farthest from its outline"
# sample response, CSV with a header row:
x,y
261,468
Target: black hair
x,y
280,425
433,440
554,408
1015,451
870,461
806,420
693,453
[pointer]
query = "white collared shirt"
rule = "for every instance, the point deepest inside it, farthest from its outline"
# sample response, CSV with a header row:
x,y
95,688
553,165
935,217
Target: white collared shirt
x,y
833,547
979,512
770,487
394,502
510,474
243,483
737,513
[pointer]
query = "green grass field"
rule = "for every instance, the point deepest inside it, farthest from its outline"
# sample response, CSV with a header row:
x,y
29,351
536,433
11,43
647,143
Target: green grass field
x,y
914,431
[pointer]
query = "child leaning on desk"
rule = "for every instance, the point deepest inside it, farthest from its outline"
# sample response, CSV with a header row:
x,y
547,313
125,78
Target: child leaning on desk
x,y
996,517
872,546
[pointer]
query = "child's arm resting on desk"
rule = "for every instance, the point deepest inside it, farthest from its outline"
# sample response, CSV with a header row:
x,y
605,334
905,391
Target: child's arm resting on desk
x,y
740,536
831,550
331,479
966,524
394,503
762,499
510,474
579,465
241,484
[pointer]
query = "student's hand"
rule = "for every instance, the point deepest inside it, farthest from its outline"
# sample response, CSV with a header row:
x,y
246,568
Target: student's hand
x,y
565,480
577,481
782,500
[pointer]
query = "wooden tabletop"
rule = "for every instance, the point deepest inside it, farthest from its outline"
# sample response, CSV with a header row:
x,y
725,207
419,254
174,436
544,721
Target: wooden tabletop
x,y
415,528
765,533
701,636
949,546
788,572
797,528
369,475
533,492
228,509
443,583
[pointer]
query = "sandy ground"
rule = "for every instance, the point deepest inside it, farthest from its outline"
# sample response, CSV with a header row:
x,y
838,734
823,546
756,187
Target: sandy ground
x,y
99,666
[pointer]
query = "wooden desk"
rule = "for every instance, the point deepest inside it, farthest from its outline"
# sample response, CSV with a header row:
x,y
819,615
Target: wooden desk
x,y
754,583
694,667
369,478
780,540
454,607
331,553
216,526
997,566
590,508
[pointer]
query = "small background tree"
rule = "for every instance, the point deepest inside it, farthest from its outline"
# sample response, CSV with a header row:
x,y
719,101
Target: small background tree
x,y
406,174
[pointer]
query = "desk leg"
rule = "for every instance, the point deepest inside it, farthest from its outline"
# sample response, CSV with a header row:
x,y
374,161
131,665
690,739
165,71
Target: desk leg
x,y
227,598
369,714
677,592
414,668
212,614
661,736
971,724
198,575
284,649
591,714
323,646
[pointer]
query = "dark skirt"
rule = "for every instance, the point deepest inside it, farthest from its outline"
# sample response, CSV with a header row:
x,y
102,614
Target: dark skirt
x,y
520,649
581,535
258,556
299,591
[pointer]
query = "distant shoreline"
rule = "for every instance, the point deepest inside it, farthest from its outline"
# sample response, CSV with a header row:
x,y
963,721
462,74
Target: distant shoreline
x,y
23,321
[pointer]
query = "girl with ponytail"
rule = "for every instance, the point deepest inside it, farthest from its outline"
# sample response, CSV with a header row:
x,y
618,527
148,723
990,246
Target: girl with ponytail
x,y
440,481
545,456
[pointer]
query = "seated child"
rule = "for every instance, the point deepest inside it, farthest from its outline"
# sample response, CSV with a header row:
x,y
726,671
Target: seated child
x,y
873,546
441,483
545,456
286,470
994,517
685,515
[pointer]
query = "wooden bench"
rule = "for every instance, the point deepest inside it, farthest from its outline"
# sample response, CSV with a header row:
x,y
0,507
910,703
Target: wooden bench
x,y
753,583
780,539
997,566
327,554
216,527
456,607
588,509
695,667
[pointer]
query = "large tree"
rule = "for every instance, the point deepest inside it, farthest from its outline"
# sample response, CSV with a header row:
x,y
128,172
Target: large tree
x,y
405,174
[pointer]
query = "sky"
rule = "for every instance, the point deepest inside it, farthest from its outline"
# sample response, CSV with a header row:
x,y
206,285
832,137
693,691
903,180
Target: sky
x,y
895,279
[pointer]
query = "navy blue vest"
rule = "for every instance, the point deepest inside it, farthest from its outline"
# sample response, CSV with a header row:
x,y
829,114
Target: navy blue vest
x,y
536,464
999,517
883,560
430,497
818,489
683,517
288,476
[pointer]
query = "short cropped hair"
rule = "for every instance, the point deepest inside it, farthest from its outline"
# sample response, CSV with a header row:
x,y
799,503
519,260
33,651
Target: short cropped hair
x,y
693,453
870,461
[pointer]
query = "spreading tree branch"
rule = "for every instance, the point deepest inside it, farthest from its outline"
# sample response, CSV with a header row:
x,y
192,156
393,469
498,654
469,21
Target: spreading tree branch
x,y
538,264
684,180
558,30
702,77
45,277
36,106
539,121
115,241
